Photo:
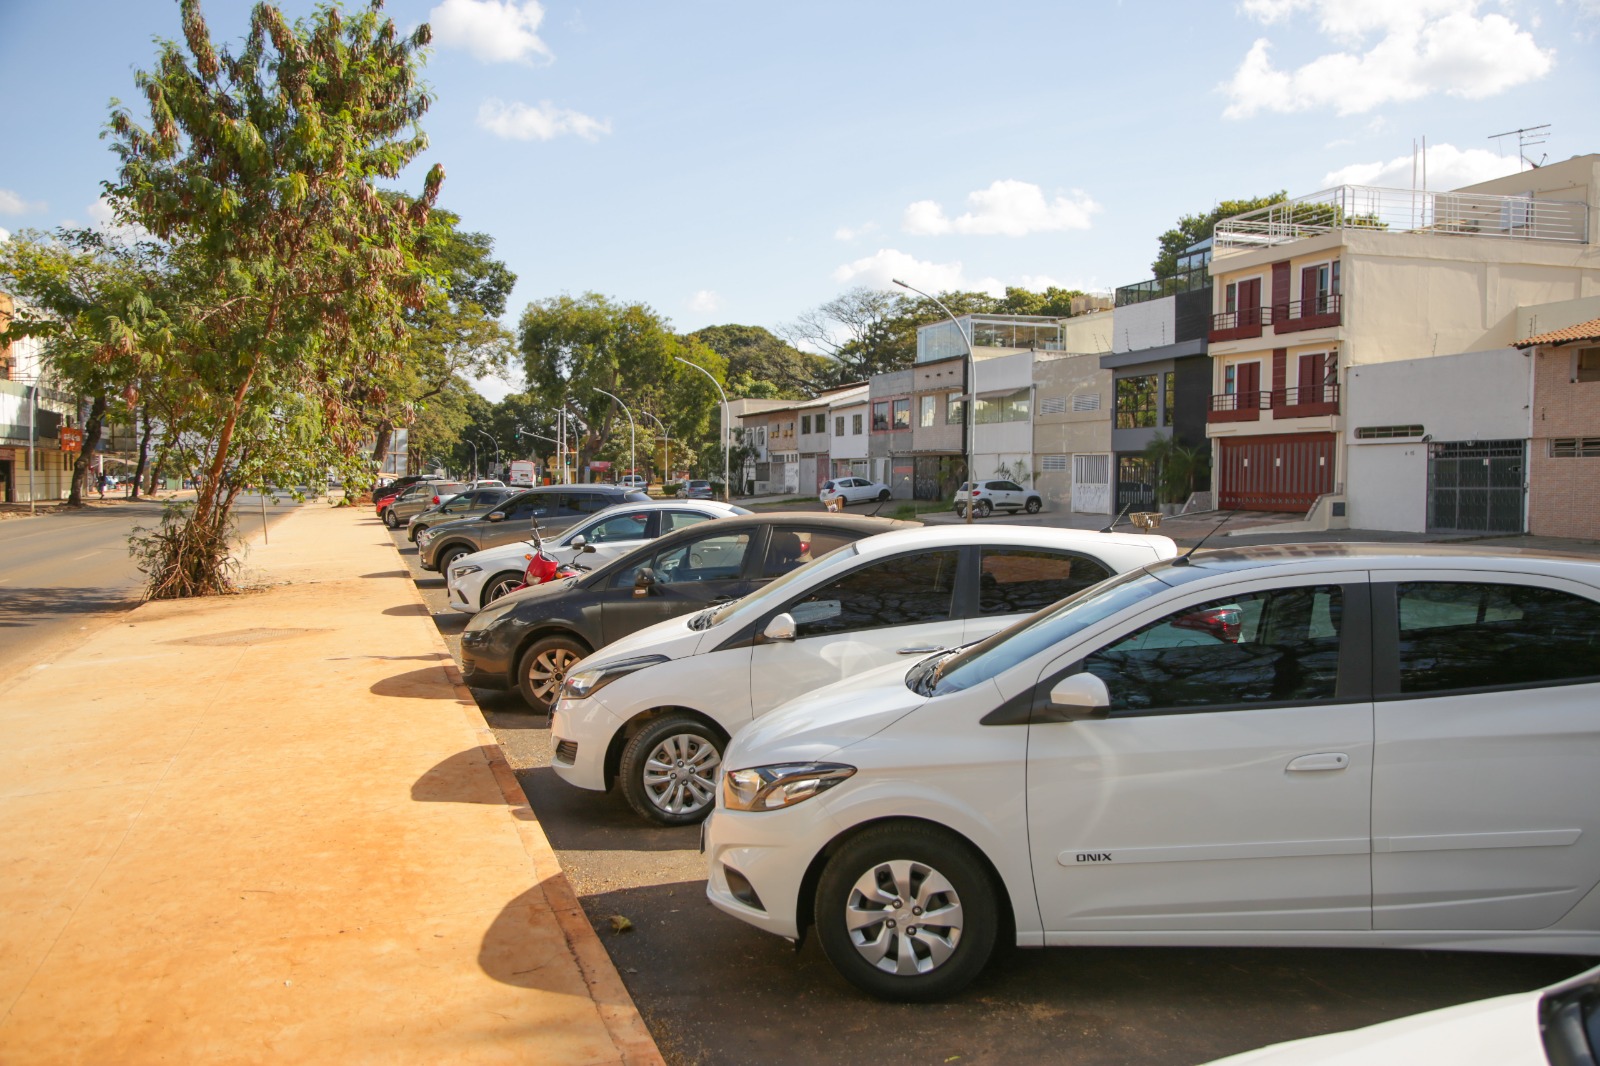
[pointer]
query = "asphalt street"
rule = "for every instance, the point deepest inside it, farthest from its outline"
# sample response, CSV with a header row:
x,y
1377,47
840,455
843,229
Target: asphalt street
x,y
63,573
714,990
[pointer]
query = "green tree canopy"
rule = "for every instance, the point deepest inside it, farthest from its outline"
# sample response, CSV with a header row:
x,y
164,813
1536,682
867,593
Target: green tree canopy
x,y
1193,228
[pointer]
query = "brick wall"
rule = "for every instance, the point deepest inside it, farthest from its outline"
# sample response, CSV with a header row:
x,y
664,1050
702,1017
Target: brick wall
x,y
1563,494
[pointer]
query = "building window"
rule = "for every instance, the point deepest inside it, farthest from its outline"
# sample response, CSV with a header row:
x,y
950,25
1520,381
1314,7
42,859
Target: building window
x,y
925,405
1575,448
1387,432
1169,397
790,430
1230,297
902,413
1587,366
1010,408
1052,405
1136,402
855,425
880,416
955,409
838,425
1085,401
1053,462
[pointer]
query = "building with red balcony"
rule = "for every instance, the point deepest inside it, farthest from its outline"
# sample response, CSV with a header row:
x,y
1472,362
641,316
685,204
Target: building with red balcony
x,y
1307,290
1564,449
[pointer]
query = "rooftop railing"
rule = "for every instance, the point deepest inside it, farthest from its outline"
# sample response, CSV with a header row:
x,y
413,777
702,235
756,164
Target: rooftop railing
x,y
1156,288
1405,211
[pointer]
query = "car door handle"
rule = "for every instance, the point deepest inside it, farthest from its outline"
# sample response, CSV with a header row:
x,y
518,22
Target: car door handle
x,y
920,649
1328,760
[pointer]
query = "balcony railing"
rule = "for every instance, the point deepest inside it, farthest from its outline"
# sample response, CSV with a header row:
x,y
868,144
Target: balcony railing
x,y
1240,323
1405,211
1238,406
1313,312
1301,402
1156,288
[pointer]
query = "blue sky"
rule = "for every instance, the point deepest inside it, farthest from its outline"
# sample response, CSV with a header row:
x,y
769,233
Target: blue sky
x,y
742,162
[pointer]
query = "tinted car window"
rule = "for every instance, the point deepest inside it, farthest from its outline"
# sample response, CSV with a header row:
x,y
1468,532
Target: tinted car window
x,y
905,590
529,506
1463,636
1276,646
790,549
1011,580
620,527
718,558
592,502
672,520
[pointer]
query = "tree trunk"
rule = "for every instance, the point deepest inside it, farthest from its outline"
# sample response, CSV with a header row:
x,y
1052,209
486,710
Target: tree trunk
x,y
380,447
91,441
159,465
144,454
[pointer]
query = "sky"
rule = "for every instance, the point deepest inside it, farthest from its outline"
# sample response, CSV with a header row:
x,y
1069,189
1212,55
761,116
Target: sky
x,y
746,161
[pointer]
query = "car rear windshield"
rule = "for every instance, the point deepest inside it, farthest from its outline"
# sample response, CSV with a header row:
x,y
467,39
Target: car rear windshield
x,y
1054,625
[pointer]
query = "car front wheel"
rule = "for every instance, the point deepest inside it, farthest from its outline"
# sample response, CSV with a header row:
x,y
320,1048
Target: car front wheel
x,y
389,518
669,769
501,585
907,912
544,667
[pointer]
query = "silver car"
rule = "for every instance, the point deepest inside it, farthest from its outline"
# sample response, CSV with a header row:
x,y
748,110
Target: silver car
x,y
468,504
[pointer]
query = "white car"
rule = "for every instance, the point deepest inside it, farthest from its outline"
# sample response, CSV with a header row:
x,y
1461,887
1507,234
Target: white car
x,y
477,580
1330,745
1559,1024
634,481
853,490
677,690
996,494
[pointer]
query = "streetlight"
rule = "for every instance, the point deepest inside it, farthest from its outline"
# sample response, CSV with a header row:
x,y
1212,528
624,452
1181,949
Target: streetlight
x,y
490,438
666,447
727,486
632,436
972,405
474,446
522,432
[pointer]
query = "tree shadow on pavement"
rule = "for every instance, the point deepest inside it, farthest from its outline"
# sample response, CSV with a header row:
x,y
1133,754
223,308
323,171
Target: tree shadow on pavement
x,y
578,819
524,947
464,777
20,607
406,610
428,683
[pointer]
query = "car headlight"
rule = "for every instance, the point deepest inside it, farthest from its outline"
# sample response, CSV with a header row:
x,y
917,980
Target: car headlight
x,y
769,788
464,570
591,679
425,536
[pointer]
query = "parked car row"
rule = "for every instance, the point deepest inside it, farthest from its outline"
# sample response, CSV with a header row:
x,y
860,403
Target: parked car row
x,y
910,742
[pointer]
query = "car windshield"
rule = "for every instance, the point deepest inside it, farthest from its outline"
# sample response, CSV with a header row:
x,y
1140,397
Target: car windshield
x,y
776,590
988,658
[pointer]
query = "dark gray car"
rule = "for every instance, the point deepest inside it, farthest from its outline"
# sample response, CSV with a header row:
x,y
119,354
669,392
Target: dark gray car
x,y
470,504
553,507
418,498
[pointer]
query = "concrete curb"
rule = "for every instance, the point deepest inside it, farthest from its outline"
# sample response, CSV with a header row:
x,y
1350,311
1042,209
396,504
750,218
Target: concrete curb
x,y
622,1020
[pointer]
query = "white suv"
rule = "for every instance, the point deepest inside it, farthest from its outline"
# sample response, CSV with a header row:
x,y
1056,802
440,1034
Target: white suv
x,y
996,494
653,710
1329,745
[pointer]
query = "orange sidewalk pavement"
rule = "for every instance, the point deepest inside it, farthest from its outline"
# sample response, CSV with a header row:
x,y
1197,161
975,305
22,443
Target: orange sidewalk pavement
x,y
272,827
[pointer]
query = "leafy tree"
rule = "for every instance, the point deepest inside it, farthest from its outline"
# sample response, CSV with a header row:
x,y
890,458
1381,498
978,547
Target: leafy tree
x,y
1193,228
259,167
1053,302
763,365
1178,467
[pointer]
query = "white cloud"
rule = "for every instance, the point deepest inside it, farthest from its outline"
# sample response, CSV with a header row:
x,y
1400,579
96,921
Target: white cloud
x,y
705,301
12,204
850,233
1393,50
1449,167
519,122
495,31
5,235
881,268
1006,208
102,217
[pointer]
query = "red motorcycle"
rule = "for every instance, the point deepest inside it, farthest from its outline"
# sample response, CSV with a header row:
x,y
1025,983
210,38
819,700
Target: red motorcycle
x,y
543,567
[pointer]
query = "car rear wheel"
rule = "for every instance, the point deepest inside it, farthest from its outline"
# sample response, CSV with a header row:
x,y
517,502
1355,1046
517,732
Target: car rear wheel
x,y
1033,505
669,769
389,518
961,510
883,495
983,508
544,666
907,912
500,585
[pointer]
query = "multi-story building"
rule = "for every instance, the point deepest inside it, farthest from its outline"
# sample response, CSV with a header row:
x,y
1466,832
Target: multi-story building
x,y
848,410
889,431
32,414
1306,290
938,427
751,419
1162,374
813,443
1563,341
1072,433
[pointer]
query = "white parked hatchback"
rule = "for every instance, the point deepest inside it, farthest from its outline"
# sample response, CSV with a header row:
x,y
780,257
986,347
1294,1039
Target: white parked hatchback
x,y
1314,745
477,580
654,709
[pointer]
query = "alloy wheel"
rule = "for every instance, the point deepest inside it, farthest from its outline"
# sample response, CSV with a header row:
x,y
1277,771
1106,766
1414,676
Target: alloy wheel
x,y
547,669
680,775
904,917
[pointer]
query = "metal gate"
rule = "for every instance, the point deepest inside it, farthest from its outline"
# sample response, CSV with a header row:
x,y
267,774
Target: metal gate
x,y
1136,483
1091,484
1283,472
936,477
1476,486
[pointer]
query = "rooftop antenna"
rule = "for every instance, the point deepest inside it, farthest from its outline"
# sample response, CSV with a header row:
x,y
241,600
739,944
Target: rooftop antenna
x,y
1527,137
1185,560
1117,519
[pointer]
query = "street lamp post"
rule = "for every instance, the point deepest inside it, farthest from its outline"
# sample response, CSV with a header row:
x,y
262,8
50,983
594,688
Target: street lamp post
x,y
474,446
492,441
972,402
633,438
727,485
530,433
666,447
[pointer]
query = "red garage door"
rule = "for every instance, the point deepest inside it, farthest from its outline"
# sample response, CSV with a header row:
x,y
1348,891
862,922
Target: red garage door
x,y
1277,473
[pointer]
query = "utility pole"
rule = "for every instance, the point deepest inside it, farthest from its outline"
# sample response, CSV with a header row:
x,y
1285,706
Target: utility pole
x,y
972,404
632,436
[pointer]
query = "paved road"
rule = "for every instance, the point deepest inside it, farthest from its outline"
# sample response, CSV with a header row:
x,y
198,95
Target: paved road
x,y
62,573
714,990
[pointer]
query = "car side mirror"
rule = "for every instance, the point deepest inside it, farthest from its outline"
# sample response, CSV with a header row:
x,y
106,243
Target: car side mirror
x,y
580,542
1077,697
643,581
780,628
495,516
